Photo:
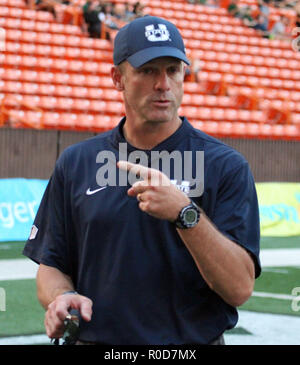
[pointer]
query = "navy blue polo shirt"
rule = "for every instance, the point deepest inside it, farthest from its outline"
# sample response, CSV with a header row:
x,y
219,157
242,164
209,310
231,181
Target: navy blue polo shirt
x,y
144,284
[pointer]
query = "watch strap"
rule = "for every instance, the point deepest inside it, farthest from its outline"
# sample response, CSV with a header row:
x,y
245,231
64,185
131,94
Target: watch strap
x,y
70,292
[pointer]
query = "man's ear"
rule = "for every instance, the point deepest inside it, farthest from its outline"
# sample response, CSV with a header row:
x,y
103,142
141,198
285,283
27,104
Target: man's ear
x,y
117,78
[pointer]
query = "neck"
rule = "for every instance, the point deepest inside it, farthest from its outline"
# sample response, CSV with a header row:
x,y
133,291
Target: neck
x,y
149,134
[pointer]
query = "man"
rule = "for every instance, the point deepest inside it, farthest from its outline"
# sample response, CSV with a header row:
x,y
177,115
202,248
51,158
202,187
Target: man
x,y
149,264
262,19
280,29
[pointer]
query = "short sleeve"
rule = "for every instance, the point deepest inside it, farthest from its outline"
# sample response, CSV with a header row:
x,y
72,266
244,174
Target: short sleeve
x,y
236,212
49,244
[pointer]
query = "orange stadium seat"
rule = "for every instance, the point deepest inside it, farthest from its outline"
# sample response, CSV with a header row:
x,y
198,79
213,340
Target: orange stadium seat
x,y
91,67
11,74
61,78
28,61
84,122
50,120
58,51
239,129
277,116
244,101
98,106
211,127
89,54
5,10
74,41
81,104
112,94
95,93
29,75
105,122
10,87
46,89
33,118
76,66
277,131
73,52
65,103
30,88
43,27
67,121
14,118
252,130
227,129
60,64
59,39
79,92
46,77
292,132
63,90
48,102
76,79
115,107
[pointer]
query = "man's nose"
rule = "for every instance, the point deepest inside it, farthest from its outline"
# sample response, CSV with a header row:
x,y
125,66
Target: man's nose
x,y
162,81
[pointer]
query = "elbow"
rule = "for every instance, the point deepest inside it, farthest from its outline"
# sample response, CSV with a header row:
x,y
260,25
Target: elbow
x,y
243,288
240,299
240,296
236,295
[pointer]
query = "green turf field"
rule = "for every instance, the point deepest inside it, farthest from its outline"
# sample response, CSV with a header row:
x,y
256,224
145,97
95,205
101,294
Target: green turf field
x,y
11,250
24,315
280,242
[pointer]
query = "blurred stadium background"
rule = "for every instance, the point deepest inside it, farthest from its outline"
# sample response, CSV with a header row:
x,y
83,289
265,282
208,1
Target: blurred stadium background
x,y
55,90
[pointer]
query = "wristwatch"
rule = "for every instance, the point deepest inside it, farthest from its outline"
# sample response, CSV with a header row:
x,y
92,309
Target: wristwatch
x,y
188,217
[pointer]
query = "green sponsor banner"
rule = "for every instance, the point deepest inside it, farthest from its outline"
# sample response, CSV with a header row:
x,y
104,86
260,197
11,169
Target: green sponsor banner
x,y
279,209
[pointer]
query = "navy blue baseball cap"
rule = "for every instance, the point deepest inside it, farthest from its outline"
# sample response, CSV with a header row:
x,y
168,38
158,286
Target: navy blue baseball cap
x,y
146,38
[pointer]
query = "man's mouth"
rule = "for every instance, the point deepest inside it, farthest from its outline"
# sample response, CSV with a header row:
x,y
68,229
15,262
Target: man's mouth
x,y
162,102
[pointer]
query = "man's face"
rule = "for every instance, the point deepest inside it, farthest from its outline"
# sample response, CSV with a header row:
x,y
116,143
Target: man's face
x,y
153,92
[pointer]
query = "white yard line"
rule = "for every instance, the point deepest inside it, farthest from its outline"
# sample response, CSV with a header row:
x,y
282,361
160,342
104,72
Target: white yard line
x,y
280,257
273,269
273,295
17,269
25,340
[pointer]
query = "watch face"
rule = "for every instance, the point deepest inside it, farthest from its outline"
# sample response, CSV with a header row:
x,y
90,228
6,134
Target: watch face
x,y
190,216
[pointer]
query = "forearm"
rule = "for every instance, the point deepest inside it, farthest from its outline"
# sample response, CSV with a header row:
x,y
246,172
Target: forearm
x,y
226,267
50,283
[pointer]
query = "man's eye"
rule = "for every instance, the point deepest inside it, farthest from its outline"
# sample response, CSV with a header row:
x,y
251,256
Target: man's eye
x,y
147,71
173,70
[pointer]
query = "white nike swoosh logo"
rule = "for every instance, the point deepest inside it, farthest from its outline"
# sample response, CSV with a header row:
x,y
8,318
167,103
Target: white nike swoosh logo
x,y
91,192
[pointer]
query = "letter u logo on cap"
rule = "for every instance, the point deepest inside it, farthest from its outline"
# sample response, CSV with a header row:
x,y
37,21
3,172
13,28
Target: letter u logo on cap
x,y
159,34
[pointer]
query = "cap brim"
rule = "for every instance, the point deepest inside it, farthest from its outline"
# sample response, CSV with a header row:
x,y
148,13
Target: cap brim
x,y
140,58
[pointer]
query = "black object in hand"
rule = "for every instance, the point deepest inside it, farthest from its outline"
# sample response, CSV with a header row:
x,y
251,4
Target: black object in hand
x,y
71,330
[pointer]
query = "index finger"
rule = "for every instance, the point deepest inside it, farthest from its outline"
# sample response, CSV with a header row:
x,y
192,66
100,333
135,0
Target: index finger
x,y
143,171
86,309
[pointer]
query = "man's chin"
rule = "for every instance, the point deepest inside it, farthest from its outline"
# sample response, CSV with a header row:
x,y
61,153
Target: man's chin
x,y
162,117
